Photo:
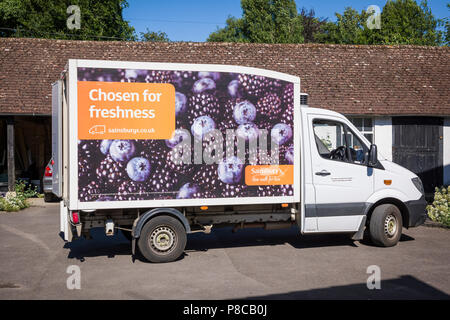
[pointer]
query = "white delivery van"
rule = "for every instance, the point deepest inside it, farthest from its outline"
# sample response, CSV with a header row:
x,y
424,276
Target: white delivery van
x,y
161,150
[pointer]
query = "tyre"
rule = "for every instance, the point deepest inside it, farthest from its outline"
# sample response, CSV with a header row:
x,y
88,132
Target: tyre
x,y
386,225
162,239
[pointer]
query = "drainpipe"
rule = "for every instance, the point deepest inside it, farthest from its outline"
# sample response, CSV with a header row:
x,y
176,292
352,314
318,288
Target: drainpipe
x,y
10,153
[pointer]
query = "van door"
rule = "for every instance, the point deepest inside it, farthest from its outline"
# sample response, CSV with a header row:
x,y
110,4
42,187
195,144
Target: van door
x,y
57,108
342,180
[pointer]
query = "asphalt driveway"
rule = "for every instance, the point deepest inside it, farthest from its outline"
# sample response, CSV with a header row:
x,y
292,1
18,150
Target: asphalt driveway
x,y
252,263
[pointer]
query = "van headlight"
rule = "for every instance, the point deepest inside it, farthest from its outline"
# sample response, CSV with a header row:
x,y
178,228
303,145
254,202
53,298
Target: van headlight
x,y
418,183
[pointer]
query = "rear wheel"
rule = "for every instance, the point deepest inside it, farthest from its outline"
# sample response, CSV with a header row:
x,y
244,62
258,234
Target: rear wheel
x,y
162,239
386,225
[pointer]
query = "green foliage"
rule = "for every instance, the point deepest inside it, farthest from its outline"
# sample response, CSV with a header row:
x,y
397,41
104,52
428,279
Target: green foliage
x,y
13,203
152,36
311,24
24,192
232,32
18,201
439,210
405,22
402,22
447,28
263,21
445,22
100,20
348,29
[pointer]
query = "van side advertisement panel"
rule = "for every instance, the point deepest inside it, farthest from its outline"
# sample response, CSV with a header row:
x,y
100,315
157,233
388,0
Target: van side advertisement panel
x,y
158,134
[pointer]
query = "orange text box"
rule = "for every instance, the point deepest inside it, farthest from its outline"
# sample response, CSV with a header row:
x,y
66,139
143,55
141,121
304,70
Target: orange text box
x,y
123,110
266,175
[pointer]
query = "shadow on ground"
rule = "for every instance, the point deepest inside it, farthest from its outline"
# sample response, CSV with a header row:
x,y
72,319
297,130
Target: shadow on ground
x,y
405,287
102,245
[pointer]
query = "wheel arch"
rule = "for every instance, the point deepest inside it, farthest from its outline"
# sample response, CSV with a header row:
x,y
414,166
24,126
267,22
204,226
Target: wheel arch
x,y
150,214
394,201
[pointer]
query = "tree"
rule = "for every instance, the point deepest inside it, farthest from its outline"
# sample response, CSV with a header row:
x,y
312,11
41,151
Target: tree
x,y
447,27
152,36
311,24
232,32
445,22
348,29
100,20
405,22
263,21
402,22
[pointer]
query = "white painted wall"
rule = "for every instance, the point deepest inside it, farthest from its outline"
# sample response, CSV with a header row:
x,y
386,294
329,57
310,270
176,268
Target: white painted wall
x,y
446,151
383,136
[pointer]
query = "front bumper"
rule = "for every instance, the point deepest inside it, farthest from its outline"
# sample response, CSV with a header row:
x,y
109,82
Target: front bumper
x,y
417,211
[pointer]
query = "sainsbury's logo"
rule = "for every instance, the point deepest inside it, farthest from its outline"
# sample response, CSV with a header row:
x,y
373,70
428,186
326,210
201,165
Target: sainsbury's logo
x,y
269,175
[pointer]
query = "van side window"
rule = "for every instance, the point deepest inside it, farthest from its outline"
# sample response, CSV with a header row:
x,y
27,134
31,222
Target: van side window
x,y
335,141
359,152
330,139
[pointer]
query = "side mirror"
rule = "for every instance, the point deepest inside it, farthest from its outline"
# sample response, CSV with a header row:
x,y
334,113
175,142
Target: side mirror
x,y
373,155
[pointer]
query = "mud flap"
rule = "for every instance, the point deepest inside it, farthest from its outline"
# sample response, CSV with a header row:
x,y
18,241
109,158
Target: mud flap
x,y
133,248
360,233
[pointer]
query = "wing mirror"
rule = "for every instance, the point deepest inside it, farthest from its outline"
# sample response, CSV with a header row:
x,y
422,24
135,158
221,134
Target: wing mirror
x,y
373,155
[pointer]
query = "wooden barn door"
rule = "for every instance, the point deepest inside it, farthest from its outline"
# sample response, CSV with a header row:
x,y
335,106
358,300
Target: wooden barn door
x,y
417,146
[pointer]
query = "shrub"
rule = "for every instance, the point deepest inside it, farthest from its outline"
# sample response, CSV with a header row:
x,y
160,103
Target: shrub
x,y
18,201
439,210
23,191
13,203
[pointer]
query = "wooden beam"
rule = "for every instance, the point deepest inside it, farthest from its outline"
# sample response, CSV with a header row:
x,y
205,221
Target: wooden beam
x,y
10,151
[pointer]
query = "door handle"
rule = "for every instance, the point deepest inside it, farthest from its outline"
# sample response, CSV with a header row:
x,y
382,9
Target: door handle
x,y
323,173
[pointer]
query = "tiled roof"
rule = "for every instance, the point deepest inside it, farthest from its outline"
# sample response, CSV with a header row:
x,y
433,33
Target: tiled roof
x,y
377,80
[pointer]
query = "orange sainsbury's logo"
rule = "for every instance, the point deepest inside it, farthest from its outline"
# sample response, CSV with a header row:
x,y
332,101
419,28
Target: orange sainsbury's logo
x,y
122,110
262,175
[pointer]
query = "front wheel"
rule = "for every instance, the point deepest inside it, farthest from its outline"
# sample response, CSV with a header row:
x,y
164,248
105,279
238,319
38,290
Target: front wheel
x,y
162,239
386,225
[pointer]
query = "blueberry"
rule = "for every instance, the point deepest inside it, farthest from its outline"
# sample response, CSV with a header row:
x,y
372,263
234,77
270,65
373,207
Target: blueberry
x,y
201,126
104,146
203,85
234,89
180,103
281,133
187,191
289,155
248,131
121,150
138,169
213,75
178,136
230,170
244,112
